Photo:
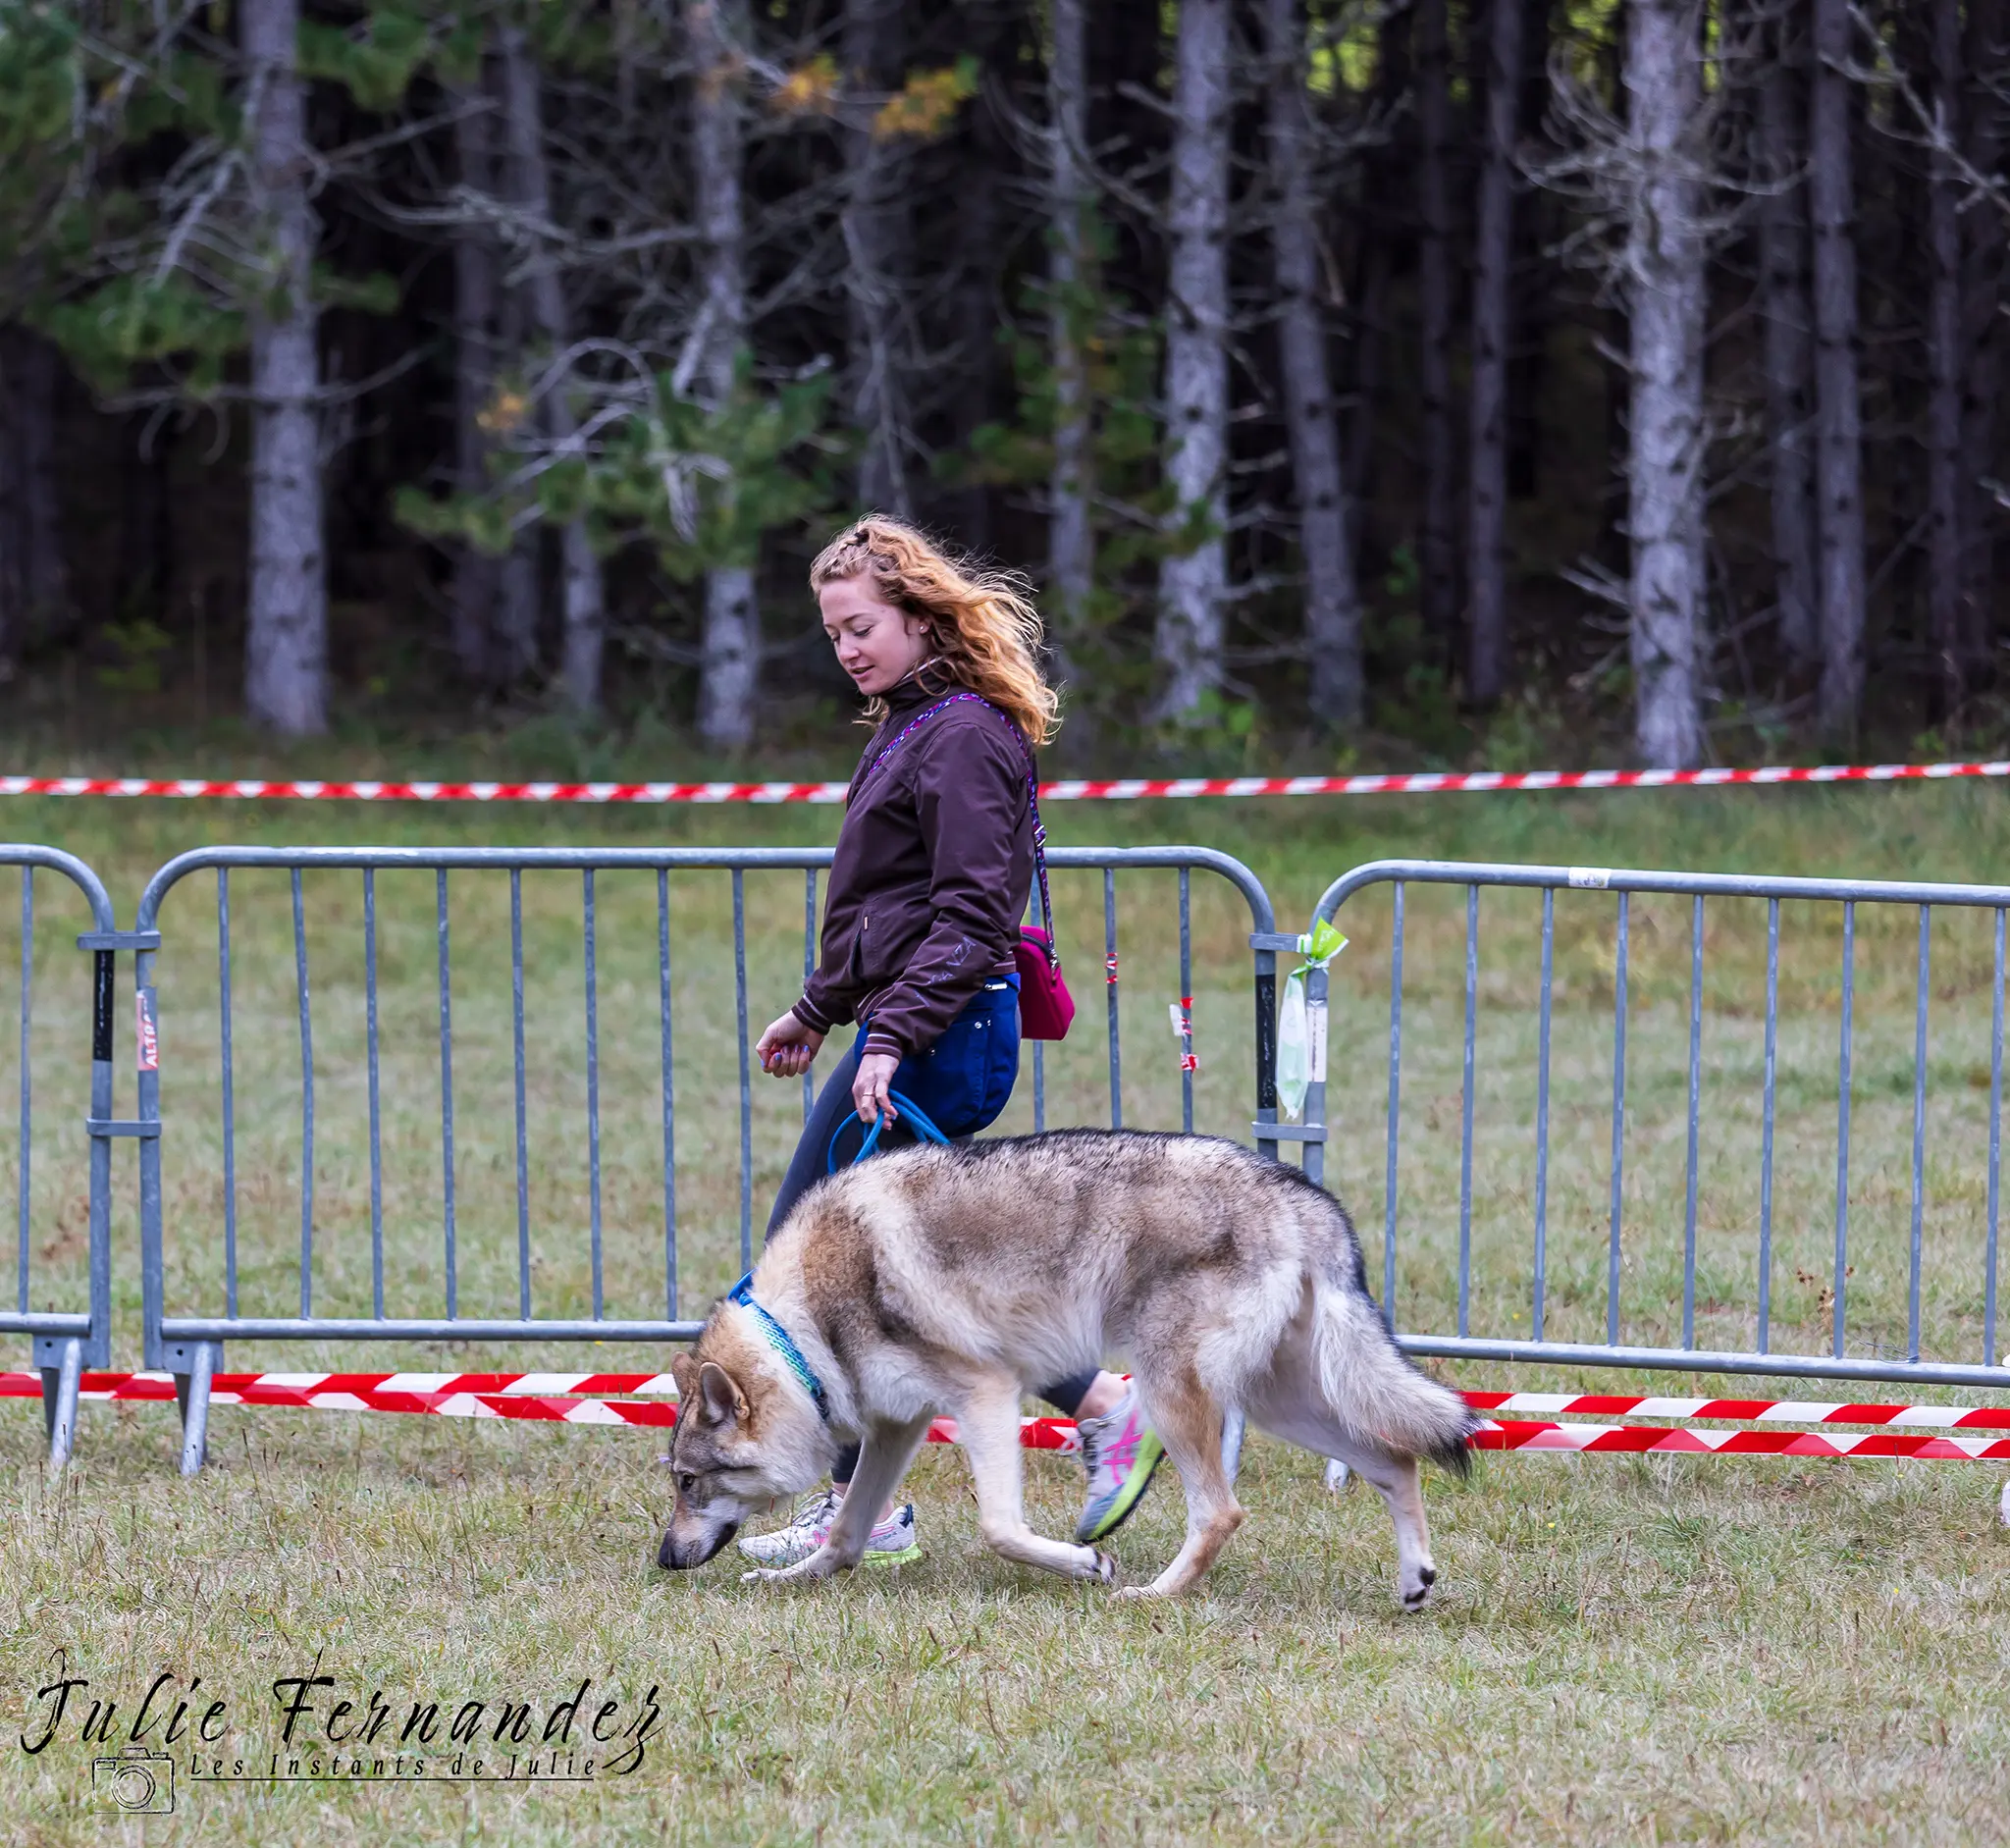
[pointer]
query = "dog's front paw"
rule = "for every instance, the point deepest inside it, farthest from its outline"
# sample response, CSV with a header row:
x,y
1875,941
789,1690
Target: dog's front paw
x,y
819,1565
1105,1568
1415,1588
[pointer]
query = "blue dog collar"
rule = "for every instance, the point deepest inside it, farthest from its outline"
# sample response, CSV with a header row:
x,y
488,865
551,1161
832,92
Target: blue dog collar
x,y
779,1338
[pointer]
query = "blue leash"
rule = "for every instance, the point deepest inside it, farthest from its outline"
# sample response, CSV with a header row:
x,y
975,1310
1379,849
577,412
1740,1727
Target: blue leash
x,y
911,1114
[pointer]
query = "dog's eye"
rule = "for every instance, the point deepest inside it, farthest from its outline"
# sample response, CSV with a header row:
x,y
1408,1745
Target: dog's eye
x,y
686,1483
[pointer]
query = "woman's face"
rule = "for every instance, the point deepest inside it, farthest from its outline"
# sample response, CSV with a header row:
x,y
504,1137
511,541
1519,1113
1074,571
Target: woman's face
x,y
877,644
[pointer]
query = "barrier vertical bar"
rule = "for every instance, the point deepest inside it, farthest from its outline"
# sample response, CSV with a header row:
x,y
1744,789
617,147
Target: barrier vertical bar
x,y
1766,1126
669,1093
1472,976
230,1096
376,1139
1394,1109
1840,1286
745,1085
1695,1111
1186,1000
1538,1306
808,970
1995,1150
522,1112
24,1087
98,1350
1918,1139
447,1093
1618,1121
592,1089
306,1101
153,1349
1110,991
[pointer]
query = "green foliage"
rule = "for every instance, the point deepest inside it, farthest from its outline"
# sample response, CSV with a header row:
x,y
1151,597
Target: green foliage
x,y
376,60
139,644
705,484
136,319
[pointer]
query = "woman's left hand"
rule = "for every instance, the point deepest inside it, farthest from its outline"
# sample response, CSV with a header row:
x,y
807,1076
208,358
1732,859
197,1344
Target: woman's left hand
x,y
871,1088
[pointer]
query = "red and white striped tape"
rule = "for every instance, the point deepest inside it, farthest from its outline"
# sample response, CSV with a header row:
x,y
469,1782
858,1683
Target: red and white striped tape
x,y
589,1399
536,1398
1748,1411
1066,790
1651,1439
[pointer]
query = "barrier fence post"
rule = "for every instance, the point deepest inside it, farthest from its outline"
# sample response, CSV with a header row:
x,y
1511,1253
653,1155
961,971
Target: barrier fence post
x,y
65,1342
1901,1242
190,1345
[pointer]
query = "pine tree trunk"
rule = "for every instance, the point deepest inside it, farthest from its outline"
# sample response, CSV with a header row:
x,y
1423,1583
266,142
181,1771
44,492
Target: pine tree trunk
x,y
1192,577
584,601
1438,559
1838,406
1987,60
875,230
1070,278
477,285
34,579
730,655
1333,610
1492,301
1783,307
1945,368
13,588
286,641
1667,295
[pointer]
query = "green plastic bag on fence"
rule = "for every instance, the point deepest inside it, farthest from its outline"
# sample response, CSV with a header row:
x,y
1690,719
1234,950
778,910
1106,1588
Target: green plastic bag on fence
x,y
1301,1026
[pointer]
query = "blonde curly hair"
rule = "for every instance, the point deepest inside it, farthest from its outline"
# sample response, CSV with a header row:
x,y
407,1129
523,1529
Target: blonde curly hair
x,y
983,626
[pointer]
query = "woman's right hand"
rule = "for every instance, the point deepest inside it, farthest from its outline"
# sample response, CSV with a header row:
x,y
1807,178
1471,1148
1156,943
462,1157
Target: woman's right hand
x,y
788,1047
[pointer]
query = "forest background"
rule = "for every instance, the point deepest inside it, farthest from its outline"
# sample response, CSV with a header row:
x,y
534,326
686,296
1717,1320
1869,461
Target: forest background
x,y
1426,382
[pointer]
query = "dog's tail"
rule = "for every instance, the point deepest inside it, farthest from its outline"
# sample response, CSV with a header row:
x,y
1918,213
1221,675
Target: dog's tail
x,y
1370,1382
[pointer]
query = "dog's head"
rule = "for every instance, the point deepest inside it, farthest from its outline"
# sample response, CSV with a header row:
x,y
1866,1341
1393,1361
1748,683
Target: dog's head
x,y
741,1443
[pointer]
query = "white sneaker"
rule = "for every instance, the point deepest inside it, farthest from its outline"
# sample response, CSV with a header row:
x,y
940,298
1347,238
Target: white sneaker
x,y
893,1543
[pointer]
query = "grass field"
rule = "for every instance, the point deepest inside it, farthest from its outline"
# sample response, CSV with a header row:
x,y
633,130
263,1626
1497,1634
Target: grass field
x,y
1619,1651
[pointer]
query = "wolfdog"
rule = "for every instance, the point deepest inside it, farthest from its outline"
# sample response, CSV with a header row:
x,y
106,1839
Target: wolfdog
x,y
944,1280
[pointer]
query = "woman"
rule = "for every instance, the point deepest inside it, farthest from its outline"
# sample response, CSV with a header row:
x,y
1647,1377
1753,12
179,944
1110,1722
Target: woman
x,y
933,867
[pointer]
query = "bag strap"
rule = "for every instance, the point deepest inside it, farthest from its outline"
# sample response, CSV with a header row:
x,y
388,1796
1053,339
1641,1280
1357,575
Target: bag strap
x,y
1033,796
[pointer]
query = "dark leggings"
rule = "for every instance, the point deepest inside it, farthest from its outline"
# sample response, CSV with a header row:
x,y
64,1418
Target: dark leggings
x,y
810,1164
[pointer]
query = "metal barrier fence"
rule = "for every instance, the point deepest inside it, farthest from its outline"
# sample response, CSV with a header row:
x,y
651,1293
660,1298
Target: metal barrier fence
x,y
1876,1216
66,1341
190,1345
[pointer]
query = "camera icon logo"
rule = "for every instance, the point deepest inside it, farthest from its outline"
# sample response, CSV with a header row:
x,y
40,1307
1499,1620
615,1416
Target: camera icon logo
x,y
136,1781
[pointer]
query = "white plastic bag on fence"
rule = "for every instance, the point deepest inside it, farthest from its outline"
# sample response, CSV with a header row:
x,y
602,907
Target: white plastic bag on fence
x,y
1302,1023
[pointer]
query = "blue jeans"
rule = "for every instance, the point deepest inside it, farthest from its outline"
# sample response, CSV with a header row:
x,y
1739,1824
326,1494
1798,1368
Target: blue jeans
x,y
963,1082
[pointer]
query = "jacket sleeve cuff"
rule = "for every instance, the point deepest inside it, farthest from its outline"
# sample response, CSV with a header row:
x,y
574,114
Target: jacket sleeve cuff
x,y
811,1017
882,1043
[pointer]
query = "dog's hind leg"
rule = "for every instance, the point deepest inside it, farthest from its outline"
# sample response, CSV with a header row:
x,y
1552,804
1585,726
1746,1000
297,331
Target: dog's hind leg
x,y
1396,1478
1188,1424
987,1425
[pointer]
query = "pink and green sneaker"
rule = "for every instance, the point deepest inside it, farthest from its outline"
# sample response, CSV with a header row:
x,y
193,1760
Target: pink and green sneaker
x,y
1122,1453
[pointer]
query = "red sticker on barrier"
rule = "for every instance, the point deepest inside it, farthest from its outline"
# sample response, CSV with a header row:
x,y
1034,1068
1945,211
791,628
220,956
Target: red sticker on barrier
x,y
148,1036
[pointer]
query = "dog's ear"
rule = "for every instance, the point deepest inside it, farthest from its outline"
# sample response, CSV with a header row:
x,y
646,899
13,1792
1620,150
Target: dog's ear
x,y
684,1370
719,1396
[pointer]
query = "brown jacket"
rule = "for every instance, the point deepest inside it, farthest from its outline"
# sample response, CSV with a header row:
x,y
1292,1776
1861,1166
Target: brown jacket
x,y
930,878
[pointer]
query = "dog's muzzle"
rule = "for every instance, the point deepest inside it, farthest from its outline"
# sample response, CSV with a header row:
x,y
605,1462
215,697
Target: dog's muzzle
x,y
681,1554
